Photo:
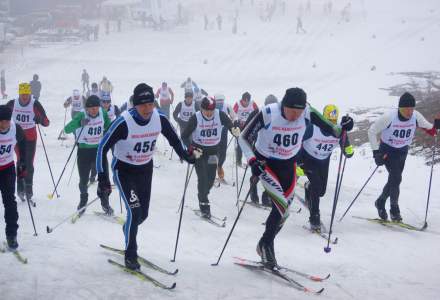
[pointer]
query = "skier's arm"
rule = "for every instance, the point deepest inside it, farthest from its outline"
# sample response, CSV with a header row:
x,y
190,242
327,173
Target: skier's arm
x,y
157,94
107,120
176,112
249,135
172,95
378,126
21,142
67,102
117,111
171,135
226,121
40,114
316,118
190,127
118,131
75,123
424,124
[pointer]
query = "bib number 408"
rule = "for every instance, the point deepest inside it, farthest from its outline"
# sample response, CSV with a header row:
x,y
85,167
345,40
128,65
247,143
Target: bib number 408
x,y
402,133
285,140
144,147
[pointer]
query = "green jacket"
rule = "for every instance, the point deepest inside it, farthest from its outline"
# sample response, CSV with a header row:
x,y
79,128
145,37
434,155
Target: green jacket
x,y
75,124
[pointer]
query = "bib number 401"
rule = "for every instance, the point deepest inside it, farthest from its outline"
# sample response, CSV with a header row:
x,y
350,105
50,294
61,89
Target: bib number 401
x,y
144,147
285,140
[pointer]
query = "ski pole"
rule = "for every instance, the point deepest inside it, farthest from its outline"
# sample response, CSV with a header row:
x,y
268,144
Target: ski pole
x,y
182,203
50,196
186,183
120,202
342,176
236,172
50,229
47,159
64,125
73,168
327,249
32,216
241,184
348,208
232,229
425,224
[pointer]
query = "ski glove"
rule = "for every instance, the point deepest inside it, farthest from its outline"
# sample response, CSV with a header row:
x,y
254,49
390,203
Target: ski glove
x,y
21,170
437,124
347,123
84,122
104,187
38,120
235,131
379,157
257,166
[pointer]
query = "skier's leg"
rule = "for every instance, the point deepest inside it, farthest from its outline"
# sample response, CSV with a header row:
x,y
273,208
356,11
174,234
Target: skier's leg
x,y
7,188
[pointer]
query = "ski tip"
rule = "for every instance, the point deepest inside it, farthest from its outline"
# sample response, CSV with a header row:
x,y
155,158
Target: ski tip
x,y
175,272
172,287
425,226
172,260
214,264
48,229
319,292
335,241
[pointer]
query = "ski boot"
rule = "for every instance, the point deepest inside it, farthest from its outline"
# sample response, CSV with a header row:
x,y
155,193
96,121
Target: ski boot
x,y
315,222
267,253
254,194
380,205
12,242
82,203
21,195
132,263
205,210
395,213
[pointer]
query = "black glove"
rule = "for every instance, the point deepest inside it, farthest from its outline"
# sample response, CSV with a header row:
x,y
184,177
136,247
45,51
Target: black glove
x,y
21,170
379,157
347,123
38,119
437,124
104,187
257,166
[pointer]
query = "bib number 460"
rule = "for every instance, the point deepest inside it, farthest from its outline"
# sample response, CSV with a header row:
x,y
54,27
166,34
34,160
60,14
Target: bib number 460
x,y
144,147
285,140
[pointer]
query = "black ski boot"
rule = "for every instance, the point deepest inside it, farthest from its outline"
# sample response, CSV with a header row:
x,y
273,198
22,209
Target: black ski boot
x,y
132,263
254,194
265,200
267,253
395,213
12,242
82,203
380,205
315,222
108,210
205,210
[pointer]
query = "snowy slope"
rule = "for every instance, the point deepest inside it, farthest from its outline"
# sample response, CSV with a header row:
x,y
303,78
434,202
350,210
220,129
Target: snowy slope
x,y
370,261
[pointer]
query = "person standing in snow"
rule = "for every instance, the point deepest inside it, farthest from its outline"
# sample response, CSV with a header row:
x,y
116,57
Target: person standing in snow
x,y
223,145
11,134
85,80
35,87
93,91
105,85
182,113
242,110
397,129
133,136
205,127
3,85
277,131
28,113
166,98
106,103
318,146
76,101
188,85
89,126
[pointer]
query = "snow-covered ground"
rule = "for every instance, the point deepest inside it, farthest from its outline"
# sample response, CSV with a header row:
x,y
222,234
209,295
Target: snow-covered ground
x,y
369,262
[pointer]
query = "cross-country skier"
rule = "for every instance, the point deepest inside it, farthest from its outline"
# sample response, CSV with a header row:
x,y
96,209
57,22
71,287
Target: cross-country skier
x,y
222,147
35,87
277,131
93,91
106,103
182,113
27,112
134,135
166,98
76,101
318,146
243,108
396,129
206,128
89,126
10,135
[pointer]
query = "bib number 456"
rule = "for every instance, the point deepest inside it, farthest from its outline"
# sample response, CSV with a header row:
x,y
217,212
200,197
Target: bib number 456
x,y
144,147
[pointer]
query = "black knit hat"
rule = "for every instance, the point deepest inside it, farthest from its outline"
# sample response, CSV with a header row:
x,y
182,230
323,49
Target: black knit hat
x,y
5,113
246,96
270,99
407,100
143,93
294,98
93,101
208,103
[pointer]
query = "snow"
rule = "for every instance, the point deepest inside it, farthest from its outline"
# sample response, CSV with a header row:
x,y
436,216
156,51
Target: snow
x,y
369,262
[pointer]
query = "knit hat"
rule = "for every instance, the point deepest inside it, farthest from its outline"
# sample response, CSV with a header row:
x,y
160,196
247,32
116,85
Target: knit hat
x,y
246,96
93,101
407,100
270,99
294,98
5,113
208,103
143,93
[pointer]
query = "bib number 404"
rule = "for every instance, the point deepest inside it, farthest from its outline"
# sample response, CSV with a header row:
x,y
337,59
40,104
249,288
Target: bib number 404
x,y
285,140
144,147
